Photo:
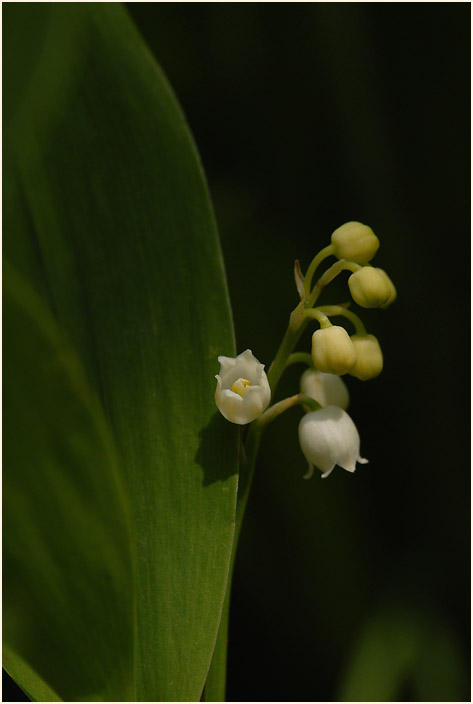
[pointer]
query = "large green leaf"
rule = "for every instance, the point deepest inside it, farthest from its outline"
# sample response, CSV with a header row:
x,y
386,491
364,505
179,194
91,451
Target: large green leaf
x,y
106,212
67,555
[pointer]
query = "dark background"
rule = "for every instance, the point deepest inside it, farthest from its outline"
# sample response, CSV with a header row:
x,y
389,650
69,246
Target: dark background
x,y
307,116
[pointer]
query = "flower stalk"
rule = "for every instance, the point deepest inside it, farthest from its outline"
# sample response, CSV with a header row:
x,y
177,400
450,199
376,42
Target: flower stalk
x,y
327,435
346,313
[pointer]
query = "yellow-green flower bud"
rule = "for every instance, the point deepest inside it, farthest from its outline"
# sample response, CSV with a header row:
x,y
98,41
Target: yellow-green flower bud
x,y
370,287
355,242
332,350
393,295
369,362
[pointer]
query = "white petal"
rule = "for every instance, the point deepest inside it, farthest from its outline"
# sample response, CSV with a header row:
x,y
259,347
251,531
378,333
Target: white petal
x,y
230,406
226,363
244,366
326,389
235,408
310,472
254,402
329,437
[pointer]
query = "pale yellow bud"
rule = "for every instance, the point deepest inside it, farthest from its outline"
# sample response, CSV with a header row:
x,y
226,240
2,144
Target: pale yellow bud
x,y
369,362
370,287
332,350
393,295
355,242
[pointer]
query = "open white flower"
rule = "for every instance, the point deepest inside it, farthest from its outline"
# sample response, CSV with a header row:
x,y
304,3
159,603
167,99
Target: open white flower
x,y
243,391
326,389
329,437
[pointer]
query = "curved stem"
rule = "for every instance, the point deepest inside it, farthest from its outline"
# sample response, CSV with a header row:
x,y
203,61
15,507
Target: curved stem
x,y
317,314
316,261
296,357
329,276
346,313
298,319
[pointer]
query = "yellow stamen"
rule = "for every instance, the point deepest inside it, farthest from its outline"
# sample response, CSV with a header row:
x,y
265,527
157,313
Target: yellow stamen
x,y
240,386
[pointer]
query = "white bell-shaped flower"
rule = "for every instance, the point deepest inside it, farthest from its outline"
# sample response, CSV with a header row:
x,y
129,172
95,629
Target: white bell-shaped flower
x,y
243,391
326,389
329,437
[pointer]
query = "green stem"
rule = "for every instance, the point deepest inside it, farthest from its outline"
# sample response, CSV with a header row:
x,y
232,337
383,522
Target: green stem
x,y
316,314
216,678
298,319
329,276
352,317
302,357
297,325
214,690
215,685
316,261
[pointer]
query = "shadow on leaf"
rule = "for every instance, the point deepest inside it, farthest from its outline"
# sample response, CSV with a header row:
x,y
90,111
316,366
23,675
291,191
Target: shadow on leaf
x,y
218,433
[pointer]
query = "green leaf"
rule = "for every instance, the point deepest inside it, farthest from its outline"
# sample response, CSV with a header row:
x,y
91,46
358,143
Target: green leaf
x,y
67,559
32,684
107,214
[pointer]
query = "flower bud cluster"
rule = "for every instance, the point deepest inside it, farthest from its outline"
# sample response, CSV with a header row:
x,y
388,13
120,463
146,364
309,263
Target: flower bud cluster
x,y
335,352
327,436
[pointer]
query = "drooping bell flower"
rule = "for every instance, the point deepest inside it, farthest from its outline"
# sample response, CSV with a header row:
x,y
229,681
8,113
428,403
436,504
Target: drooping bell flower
x,y
329,437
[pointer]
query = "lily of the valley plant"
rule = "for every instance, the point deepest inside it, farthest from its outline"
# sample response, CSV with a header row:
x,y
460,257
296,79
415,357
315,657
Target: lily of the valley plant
x,y
327,434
